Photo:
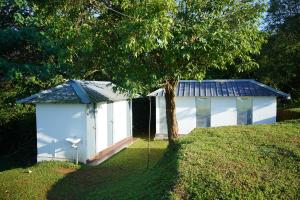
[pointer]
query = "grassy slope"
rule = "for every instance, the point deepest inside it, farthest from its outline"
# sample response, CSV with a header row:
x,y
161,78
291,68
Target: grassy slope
x,y
256,162
260,161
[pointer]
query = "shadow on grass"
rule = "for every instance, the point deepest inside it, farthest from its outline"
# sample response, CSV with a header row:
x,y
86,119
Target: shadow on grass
x,y
279,154
124,176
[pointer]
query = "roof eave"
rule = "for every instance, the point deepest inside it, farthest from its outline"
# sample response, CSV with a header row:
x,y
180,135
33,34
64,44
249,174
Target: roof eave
x,y
280,93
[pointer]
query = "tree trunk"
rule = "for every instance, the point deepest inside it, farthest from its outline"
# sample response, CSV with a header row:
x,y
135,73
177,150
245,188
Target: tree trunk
x,y
172,125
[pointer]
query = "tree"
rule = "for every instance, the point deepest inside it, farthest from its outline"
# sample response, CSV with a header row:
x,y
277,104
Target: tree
x,y
160,42
279,59
279,11
153,43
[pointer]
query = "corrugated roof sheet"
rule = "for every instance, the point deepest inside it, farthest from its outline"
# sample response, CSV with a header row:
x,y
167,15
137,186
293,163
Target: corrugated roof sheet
x,y
214,88
76,91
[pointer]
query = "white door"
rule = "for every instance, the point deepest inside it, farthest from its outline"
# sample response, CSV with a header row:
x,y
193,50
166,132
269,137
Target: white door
x,y
110,123
101,127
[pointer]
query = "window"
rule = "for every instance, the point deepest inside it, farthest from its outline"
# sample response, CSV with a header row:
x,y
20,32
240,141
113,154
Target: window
x,y
203,112
244,110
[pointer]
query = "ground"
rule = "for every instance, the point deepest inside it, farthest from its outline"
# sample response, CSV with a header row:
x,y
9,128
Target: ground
x,y
261,161
240,162
124,176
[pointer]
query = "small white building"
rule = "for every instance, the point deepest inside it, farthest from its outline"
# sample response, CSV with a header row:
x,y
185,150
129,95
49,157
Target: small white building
x,y
91,111
212,103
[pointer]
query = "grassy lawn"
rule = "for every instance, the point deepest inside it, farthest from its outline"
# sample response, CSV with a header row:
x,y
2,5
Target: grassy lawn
x,y
249,162
124,176
246,162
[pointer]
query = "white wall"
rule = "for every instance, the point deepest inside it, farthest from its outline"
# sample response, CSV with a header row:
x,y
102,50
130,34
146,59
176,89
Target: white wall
x,y
264,110
160,115
120,121
90,131
56,122
101,127
185,113
223,111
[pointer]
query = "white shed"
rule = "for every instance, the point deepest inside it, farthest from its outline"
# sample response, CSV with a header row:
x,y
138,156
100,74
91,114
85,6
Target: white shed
x,y
212,103
91,111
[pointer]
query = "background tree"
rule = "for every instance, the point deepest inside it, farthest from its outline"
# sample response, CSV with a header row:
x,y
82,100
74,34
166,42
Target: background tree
x,y
26,66
34,55
279,59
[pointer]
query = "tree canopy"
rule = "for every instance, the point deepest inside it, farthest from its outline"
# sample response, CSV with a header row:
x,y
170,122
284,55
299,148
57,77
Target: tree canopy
x,y
279,59
137,44
160,42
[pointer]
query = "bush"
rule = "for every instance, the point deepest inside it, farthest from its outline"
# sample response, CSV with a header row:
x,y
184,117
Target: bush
x,y
17,136
288,114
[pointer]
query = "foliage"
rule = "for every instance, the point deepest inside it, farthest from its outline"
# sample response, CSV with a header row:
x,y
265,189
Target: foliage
x,y
241,162
161,40
27,65
279,11
280,57
288,114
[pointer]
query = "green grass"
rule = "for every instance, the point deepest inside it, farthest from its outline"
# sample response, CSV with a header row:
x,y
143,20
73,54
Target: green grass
x,y
248,162
245,162
124,176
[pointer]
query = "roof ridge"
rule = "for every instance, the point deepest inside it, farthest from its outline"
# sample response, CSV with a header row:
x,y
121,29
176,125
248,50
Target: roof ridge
x,y
224,87
80,91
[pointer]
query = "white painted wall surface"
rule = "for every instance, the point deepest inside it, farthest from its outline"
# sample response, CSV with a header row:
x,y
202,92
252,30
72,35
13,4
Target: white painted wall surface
x,y
186,114
223,111
101,127
56,122
90,131
264,110
120,120
160,115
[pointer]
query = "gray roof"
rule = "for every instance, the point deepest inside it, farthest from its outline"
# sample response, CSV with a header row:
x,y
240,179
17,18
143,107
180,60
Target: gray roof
x,y
215,88
76,91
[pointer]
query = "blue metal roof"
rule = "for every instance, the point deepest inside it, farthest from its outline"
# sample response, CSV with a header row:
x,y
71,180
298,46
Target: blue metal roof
x,y
76,91
218,88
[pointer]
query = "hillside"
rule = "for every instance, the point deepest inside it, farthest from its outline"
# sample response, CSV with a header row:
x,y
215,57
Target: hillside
x,y
260,161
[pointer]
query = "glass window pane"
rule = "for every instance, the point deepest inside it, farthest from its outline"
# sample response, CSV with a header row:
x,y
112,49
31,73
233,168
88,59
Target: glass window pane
x,y
203,112
244,110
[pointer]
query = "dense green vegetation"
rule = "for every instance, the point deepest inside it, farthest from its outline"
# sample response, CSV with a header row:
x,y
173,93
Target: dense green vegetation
x,y
254,162
288,114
